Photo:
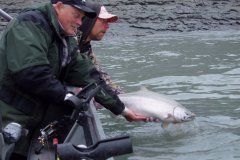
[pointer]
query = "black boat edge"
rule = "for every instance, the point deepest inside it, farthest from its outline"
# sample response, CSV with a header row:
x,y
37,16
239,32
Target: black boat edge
x,y
91,139
84,138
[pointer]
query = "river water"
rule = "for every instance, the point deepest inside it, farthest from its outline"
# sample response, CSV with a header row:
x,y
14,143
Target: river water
x,y
201,70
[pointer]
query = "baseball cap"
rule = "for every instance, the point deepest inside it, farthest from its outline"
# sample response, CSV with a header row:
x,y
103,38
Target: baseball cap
x,y
79,4
111,18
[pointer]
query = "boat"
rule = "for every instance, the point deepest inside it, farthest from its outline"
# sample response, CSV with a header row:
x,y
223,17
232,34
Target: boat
x,y
85,138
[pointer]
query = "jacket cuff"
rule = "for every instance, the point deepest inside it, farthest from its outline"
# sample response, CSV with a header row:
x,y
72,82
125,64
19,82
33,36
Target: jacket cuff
x,y
125,111
118,108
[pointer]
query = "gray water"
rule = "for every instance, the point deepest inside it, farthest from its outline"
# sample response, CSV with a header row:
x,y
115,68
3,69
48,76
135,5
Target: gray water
x,y
201,70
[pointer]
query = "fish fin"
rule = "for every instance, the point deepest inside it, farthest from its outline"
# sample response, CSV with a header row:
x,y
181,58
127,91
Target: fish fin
x,y
143,88
168,116
165,125
177,124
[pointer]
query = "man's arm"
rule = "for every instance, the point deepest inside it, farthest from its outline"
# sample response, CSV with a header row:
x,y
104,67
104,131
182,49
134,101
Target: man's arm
x,y
83,72
104,75
39,81
27,57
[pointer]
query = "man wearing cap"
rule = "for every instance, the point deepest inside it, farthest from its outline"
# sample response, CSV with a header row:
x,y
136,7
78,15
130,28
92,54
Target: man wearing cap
x,y
95,29
35,50
37,60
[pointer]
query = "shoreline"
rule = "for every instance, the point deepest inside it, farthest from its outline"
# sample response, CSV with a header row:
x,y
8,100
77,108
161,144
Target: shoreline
x,y
153,16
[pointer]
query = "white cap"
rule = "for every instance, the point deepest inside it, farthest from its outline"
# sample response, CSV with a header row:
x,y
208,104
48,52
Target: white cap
x,y
111,18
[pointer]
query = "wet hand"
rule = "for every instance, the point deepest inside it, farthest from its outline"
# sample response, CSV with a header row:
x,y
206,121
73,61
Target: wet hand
x,y
152,119
131,116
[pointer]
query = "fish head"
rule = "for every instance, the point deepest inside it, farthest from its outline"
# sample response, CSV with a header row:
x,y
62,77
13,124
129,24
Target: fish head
x,y
183,115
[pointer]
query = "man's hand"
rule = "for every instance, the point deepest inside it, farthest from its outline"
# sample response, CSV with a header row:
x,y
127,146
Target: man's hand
x,y
67,96
131,116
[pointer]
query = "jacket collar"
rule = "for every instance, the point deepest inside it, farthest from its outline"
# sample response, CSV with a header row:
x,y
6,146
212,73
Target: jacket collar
x,y
49,10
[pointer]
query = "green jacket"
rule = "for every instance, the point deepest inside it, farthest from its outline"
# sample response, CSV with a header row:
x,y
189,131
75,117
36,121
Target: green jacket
x,y
31,55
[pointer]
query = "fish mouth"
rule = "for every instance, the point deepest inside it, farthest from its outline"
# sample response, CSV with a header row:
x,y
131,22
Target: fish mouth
x,y
189,116
186,115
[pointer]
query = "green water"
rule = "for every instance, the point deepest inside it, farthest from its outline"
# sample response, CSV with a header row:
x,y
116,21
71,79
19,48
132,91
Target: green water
x,y
201,70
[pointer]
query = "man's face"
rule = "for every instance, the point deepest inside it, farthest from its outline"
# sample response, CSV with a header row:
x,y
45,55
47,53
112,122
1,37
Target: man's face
x,y
99,29
69,17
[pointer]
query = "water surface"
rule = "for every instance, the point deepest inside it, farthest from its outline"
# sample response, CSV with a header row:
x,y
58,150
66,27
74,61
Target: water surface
x,y
201,70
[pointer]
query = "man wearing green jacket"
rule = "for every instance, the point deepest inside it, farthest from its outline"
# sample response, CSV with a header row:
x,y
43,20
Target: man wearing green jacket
x,y
37,61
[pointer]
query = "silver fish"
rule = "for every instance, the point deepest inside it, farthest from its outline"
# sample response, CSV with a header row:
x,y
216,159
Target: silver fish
x,y
156,106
